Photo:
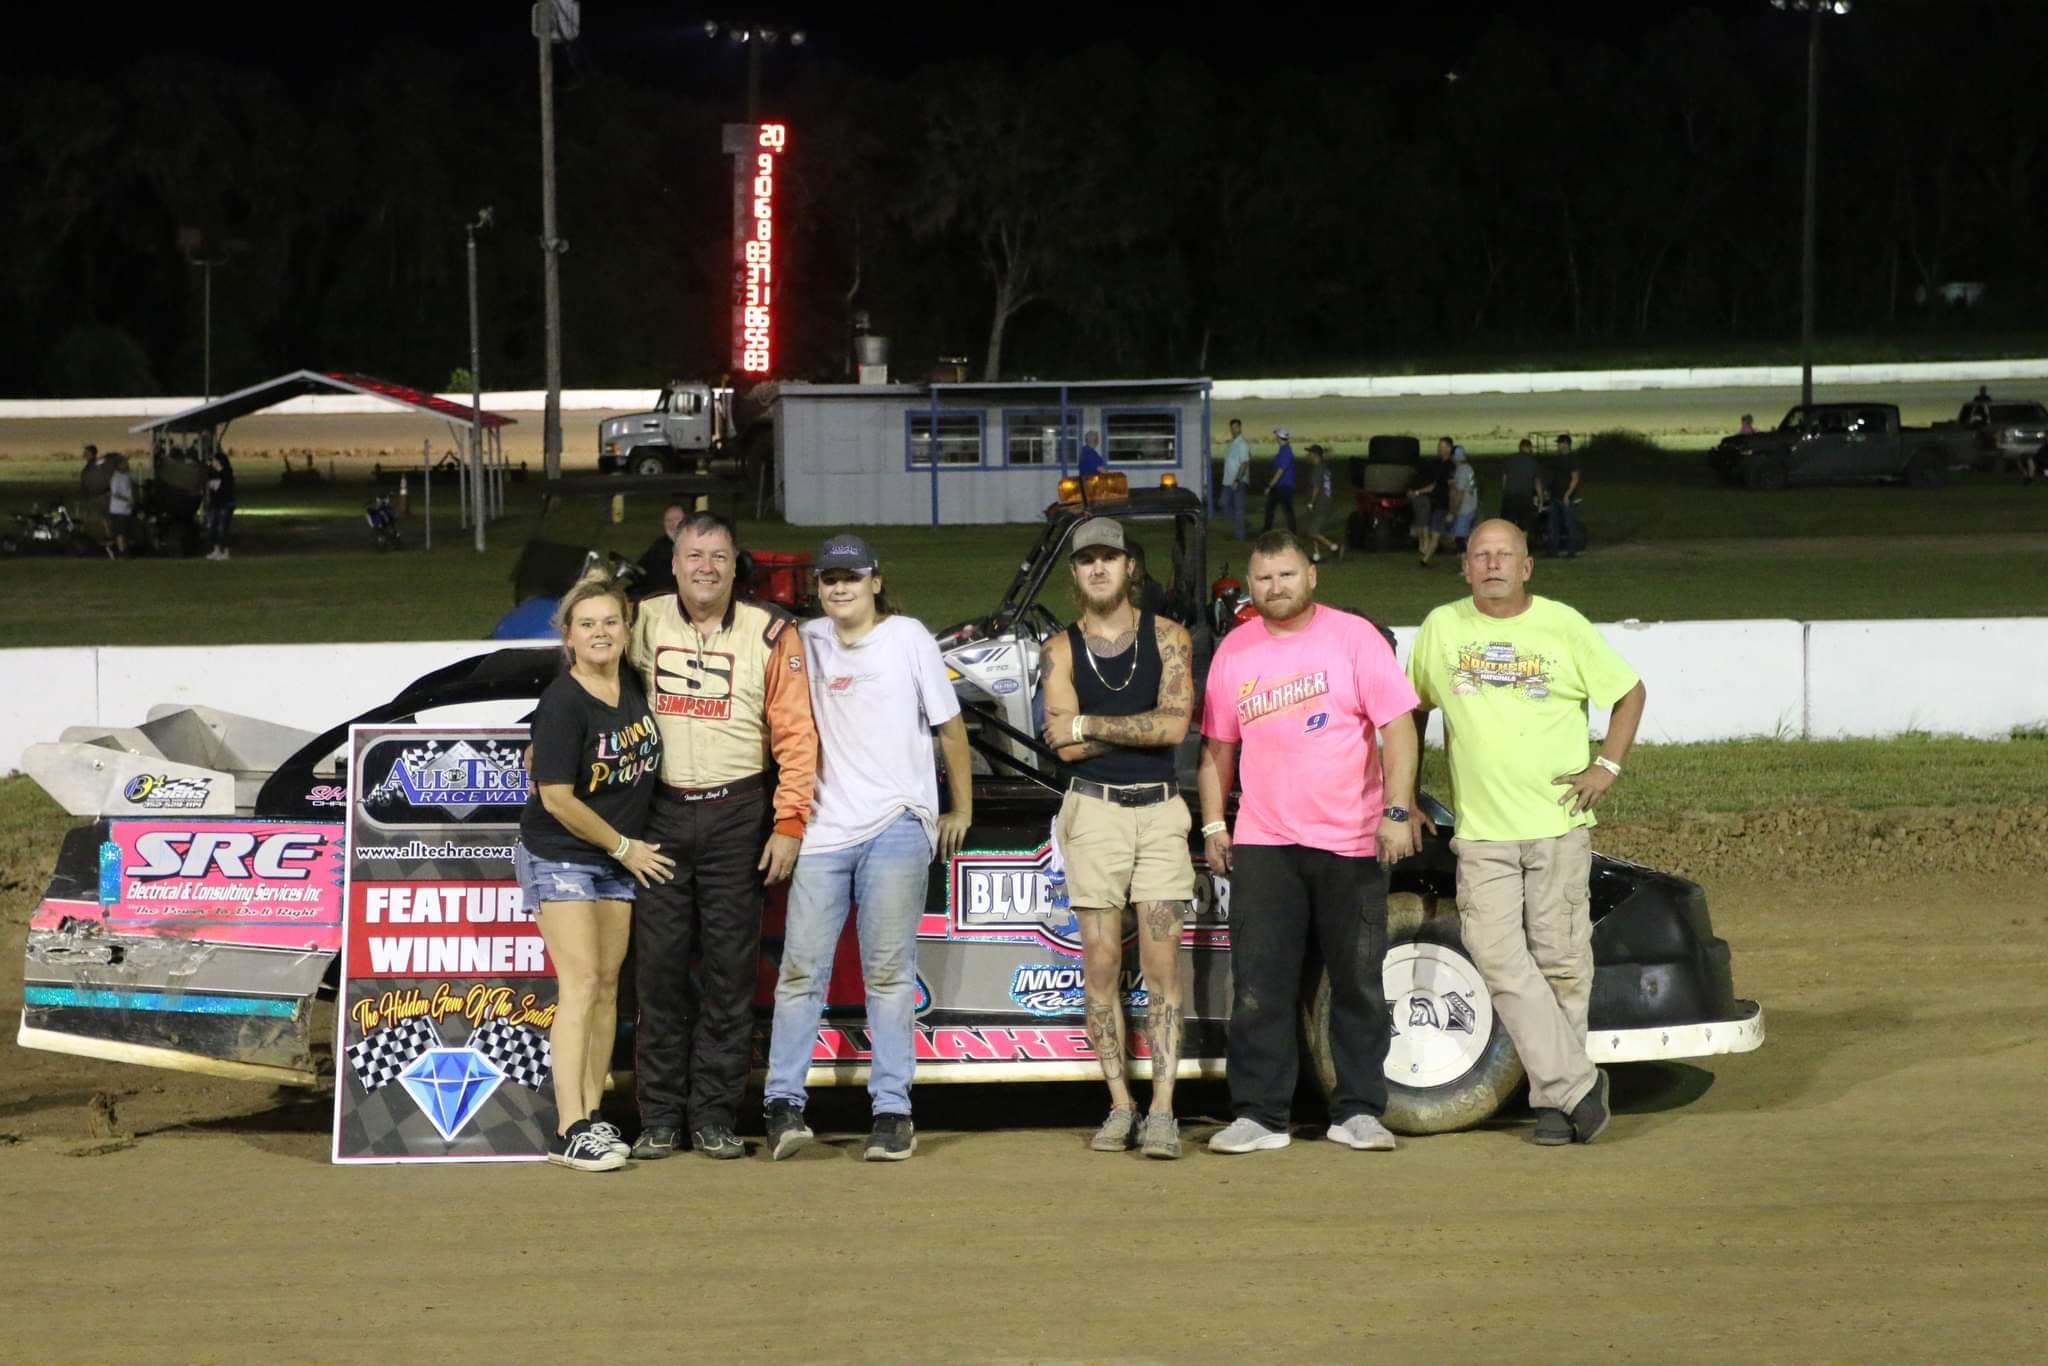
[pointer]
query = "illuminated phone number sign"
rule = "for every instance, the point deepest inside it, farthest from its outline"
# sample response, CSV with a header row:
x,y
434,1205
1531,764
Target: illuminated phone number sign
x,y
753,241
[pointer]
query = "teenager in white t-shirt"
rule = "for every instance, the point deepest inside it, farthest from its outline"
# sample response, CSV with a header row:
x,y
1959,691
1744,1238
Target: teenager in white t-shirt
x,y
878,692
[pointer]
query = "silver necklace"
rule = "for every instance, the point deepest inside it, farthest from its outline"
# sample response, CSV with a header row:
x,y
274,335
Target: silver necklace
x,y
1096,669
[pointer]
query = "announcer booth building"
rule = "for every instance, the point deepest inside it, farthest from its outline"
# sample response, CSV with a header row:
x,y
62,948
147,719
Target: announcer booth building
x,y
967,454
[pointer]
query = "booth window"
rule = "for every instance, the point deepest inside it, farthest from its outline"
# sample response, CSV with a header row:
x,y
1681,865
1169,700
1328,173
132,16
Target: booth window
x,y
1141,436
1037,438
959,440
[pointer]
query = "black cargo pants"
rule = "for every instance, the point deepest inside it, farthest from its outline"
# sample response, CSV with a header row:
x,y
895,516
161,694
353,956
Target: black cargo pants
x,y
693,1040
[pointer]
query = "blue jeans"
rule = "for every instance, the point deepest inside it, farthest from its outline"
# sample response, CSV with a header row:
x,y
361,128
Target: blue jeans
x,y
1564,526
885,878
1230,499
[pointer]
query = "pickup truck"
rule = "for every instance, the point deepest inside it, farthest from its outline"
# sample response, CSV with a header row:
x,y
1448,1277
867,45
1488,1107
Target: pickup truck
x,y
1833,443
2002,430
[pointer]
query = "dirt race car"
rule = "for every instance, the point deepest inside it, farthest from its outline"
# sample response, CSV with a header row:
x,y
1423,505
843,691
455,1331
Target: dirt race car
x,y
243,802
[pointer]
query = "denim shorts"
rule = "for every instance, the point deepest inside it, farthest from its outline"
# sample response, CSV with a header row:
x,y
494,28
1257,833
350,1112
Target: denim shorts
x,y
544,880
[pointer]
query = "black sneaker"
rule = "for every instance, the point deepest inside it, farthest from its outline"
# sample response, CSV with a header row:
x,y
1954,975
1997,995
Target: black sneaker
x,y
787,1132
1553,1130
1589,1117
719,1141
609,1132
893,1139
656,1141
582,1150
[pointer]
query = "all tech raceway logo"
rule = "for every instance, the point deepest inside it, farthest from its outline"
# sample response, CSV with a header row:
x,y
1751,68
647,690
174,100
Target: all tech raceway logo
x,y
456,778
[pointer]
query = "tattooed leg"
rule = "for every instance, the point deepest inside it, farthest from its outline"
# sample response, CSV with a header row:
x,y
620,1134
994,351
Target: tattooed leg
x,y
1159,955
1102,951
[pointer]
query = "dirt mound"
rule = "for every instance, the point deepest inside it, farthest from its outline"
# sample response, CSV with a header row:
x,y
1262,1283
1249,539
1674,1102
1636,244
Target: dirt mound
x,y
1809,840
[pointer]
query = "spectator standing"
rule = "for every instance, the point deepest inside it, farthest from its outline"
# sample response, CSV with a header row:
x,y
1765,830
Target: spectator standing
x,y
1748,425
657,562
1518,487
1564,492
1321,494
1119,689
878,692
1513,673
1091,455
1237,473
1300,693
1464,504
87,485
220,504
1280,489
1428,494
120,506
595,758
739,758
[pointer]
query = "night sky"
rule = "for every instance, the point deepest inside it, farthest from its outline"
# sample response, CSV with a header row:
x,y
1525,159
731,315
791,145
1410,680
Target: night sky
x,y
637,38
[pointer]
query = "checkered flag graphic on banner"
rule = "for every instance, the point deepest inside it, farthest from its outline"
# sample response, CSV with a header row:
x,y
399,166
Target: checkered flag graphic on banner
x,y
523,1053
379,1056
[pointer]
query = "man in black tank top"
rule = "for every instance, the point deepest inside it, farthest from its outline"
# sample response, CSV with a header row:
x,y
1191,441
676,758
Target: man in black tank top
x,y
1119,688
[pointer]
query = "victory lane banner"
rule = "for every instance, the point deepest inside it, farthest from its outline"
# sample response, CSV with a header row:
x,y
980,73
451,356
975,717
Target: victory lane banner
x,y
447,993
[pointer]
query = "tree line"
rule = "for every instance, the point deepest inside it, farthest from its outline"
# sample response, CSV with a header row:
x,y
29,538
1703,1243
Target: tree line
x,y
1103,211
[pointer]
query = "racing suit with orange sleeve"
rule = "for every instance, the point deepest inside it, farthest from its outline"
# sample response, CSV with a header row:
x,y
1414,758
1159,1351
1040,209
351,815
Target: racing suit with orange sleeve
x,y
739,758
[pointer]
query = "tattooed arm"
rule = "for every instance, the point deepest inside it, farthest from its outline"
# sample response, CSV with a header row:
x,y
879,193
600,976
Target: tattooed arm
x,y
1056,687
1167,723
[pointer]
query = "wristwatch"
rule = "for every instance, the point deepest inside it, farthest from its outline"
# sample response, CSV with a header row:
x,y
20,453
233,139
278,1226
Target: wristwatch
x,y
1396,814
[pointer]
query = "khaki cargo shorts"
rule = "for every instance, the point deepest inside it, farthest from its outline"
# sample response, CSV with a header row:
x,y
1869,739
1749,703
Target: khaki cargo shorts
x,y
1120,855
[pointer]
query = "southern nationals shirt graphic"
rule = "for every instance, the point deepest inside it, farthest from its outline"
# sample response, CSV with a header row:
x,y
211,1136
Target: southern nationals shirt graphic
x,y
1500,664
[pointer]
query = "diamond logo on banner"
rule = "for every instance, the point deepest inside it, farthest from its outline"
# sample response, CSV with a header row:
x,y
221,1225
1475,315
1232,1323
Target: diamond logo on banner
x,y
450,1085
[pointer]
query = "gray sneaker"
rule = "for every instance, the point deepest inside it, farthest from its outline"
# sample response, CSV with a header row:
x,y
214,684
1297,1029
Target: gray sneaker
x,y
1362,1132
1159,1136
1115,1134
1589,1117
1247,1135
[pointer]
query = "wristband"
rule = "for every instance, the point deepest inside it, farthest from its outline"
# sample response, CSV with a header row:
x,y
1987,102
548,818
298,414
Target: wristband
x,y
625,843
1214,828
1075,730
1607,764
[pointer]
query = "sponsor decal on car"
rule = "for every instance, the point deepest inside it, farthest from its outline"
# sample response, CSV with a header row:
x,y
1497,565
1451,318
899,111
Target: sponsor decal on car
x,y
1004,686
160,792
1058,989
1019,897
260,883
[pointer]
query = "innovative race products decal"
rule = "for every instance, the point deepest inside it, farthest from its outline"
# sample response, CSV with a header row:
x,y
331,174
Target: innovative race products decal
x,y
447,992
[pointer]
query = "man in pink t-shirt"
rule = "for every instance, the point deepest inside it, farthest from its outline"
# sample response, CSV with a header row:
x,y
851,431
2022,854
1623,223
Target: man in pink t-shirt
x,y
1301,692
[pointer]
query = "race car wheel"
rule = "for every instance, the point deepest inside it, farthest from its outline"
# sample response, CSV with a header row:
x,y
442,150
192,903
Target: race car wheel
x,y
1451,1064
648,460
1764,472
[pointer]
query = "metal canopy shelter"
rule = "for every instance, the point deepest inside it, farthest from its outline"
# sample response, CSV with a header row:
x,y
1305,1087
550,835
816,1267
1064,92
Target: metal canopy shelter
x,y
207,424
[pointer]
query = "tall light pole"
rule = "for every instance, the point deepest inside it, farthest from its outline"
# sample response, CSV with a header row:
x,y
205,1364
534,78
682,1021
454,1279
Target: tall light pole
x,y
1815,11
754,37
476,385
192,242
554,21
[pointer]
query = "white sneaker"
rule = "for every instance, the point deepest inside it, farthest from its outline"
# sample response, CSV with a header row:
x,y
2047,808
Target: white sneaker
x,y
1247,1135
1364,1133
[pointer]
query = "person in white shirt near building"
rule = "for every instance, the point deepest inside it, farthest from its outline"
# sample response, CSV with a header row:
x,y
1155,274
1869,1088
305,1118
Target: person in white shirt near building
x,y
878,692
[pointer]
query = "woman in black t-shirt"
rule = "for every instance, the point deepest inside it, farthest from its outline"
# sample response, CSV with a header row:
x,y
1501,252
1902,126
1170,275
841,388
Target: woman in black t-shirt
x,y
596,757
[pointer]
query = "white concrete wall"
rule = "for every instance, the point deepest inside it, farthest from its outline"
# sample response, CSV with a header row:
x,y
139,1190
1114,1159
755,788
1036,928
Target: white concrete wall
x,y
1967,372
1979,676
1708,680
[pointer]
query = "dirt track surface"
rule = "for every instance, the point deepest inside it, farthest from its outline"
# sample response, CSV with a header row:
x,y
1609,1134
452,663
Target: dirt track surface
x,y
1866,1186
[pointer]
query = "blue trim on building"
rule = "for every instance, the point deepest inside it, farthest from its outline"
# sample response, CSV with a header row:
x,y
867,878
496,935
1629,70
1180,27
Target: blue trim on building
x,y
181,1002
1069,425
932,415
1179,452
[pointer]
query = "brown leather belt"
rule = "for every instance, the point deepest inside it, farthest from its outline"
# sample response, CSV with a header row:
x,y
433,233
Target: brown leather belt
x,y
1128,794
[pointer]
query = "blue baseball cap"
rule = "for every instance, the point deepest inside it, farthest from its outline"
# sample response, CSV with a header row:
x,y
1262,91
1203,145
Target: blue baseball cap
x,y
846,551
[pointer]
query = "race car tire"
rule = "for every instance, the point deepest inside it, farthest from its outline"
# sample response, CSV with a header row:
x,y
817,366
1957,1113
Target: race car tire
x,y
1766,473
1450,1067
647,460
1928,469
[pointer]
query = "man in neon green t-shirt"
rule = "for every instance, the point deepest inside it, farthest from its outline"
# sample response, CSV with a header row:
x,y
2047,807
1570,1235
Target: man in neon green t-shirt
x,y
1513,673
